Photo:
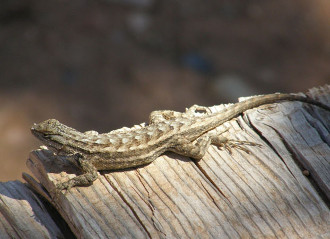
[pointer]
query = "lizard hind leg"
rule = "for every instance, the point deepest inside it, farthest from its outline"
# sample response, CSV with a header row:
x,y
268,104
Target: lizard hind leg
x,y
195,149
158,116
198,109
223,142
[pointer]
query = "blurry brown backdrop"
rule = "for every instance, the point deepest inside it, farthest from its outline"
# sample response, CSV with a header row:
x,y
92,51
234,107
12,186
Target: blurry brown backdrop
x,y
105,64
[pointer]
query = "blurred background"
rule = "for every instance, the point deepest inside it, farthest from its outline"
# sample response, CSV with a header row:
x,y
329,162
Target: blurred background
x,y
105,64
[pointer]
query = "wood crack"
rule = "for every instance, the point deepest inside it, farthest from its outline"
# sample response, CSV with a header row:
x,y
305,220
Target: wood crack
x,y
130,207
150,205
210,180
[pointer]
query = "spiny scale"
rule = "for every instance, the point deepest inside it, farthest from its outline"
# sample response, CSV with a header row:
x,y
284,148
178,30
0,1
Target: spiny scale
x,y
182,133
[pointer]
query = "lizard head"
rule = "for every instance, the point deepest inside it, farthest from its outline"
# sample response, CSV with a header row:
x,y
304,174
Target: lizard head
x,y
51,132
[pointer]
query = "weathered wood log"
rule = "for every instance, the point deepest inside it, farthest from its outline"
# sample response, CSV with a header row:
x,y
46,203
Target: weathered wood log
x,y
23,214
227,194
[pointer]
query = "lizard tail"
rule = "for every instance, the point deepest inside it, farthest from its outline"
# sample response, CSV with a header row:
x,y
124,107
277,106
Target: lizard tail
x,y
238,108
271,98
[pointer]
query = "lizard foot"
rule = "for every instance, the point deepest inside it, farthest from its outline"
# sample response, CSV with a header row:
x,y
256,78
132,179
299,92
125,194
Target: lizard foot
x,y
238,144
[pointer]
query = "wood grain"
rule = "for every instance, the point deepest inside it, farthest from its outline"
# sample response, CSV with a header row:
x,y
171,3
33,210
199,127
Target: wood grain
x,y
263,194
24,215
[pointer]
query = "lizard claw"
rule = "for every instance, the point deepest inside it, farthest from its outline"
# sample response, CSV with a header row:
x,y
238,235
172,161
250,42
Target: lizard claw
x,y
57,190
238,144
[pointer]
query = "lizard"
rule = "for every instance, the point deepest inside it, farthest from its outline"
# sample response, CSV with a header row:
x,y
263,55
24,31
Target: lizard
x,y
184,133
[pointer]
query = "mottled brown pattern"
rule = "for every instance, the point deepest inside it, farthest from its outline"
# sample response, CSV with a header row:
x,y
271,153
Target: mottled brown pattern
x,y
186,133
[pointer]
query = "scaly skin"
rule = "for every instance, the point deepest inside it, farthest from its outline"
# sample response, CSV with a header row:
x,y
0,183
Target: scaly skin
x,y
182,133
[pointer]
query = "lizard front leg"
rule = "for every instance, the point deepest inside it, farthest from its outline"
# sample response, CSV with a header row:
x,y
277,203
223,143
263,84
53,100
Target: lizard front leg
x,y
87,178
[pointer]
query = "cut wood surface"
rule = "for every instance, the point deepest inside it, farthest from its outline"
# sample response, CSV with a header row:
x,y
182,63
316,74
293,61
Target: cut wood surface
x,y
24,215
227,194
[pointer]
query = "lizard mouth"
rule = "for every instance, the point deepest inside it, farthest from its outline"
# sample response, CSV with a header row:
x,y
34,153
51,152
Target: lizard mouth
x,y
36,132
46,129
45,137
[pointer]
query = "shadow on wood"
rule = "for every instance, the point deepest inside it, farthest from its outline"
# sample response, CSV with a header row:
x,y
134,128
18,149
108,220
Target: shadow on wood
x,y
263,193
